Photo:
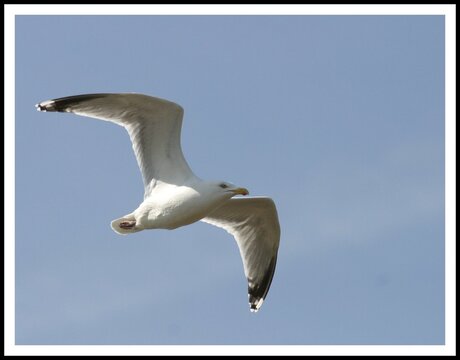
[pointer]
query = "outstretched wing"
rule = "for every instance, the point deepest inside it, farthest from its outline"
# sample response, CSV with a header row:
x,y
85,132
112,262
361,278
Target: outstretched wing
x,y
153,124
254,224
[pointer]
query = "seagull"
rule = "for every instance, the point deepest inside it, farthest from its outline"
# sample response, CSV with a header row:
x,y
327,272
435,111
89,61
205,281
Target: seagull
x,y
173,195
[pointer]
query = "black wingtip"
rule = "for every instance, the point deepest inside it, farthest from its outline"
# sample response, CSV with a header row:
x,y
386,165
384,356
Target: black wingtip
x,y
65,104
40,107
255,305
46,106
258,292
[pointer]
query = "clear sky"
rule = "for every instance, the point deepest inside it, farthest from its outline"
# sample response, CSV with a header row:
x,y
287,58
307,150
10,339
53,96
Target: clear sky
x,y
340,119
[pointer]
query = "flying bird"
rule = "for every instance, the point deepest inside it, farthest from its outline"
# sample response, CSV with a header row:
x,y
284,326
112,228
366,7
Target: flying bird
x,y
173,195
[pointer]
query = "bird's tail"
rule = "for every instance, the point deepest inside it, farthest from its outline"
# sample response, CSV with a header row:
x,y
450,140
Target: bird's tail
x,y
125,225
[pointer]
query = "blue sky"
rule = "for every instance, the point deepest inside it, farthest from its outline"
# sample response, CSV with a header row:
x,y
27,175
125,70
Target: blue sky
x,y
340,119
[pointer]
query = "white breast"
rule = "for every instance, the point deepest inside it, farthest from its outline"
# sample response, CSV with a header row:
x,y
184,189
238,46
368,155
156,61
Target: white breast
x,y
170,206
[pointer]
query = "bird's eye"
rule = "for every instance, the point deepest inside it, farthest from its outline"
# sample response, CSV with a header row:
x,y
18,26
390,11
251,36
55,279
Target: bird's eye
x,y
223,185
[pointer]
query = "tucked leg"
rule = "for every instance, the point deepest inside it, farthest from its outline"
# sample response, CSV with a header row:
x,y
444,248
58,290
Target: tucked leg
x,y
127,224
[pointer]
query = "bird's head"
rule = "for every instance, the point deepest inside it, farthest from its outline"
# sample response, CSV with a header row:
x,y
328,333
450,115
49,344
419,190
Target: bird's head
x,y
230,189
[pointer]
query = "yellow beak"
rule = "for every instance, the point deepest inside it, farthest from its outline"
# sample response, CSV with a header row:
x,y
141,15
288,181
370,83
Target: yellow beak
x,y
240,191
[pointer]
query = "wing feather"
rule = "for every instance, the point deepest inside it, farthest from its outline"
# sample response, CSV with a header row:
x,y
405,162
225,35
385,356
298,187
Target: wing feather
x,y
153,124
254,224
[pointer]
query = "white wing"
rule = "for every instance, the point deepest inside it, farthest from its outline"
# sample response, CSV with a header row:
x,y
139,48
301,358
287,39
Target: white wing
x,y
254,224
153,124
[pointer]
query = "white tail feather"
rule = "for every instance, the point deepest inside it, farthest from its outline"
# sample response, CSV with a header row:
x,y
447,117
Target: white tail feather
x,y
115,224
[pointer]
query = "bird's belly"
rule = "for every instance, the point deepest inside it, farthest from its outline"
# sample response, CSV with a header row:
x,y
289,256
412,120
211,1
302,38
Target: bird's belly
x,y
177,218
171,215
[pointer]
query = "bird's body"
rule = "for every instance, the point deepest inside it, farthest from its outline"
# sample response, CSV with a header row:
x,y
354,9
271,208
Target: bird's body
x,y
171,206
173,195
